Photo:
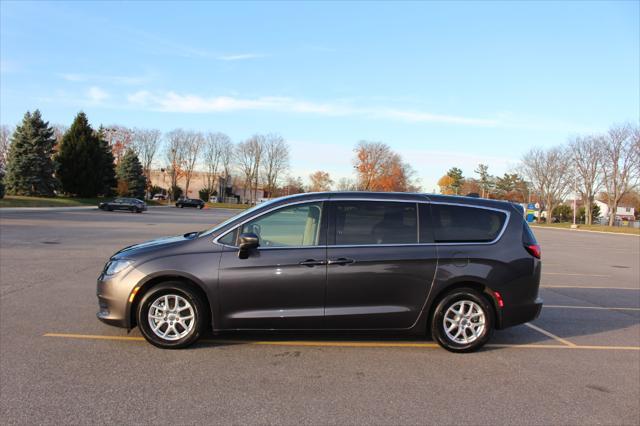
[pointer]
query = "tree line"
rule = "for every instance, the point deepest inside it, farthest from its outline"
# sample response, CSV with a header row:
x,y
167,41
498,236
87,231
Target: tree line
x,y
604,165
42,160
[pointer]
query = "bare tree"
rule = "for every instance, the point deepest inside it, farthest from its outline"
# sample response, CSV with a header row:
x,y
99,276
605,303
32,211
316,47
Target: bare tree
x,y
146,143
244,157
276,161
175,153
5,142
227,150
119,138
586,157
212,155
193,142
620,164
346,184
227,157
547,171
58,133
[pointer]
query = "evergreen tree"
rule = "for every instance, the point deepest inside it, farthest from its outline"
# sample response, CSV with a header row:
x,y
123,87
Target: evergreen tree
x,y
29,164
85,161
130,172
107,165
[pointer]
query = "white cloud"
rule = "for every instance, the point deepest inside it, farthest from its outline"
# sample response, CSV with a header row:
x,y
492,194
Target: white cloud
x,y
104,78
96,94
240,56
188,103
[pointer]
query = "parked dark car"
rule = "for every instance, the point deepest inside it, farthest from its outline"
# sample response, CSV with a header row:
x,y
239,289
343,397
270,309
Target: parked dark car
x,y
190,202
131,204
452,267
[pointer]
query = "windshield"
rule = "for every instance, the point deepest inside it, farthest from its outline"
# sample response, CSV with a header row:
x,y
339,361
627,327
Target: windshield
x,y
235,217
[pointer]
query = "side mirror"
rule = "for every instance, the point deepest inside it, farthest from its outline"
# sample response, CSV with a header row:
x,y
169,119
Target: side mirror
x,y
248,242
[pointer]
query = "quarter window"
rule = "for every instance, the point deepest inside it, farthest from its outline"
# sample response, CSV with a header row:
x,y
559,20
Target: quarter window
x,y
375,222
230,238
465,224
292,226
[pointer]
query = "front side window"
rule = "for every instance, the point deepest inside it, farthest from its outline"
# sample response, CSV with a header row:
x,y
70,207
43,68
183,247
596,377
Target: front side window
x,y
292,226
375,222
452,224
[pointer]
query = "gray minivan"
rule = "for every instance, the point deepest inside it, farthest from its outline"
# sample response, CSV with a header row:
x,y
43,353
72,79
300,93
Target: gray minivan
x,y
452,267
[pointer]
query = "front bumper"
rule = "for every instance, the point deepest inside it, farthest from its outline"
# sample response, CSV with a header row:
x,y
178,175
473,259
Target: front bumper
x,y
113,294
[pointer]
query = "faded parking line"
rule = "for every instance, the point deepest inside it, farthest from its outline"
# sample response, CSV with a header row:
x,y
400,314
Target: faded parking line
x,y
589,287
550,334
348,344
591,307
575,274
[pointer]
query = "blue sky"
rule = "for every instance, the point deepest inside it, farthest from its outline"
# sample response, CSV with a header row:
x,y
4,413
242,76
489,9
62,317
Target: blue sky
x,y
444,84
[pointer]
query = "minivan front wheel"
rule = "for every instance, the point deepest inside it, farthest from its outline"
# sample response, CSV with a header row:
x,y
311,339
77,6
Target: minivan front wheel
x,y
462,321
171,316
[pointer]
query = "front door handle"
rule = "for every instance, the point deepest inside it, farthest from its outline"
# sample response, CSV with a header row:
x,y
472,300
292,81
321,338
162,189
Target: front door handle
x,y
313,262
341,261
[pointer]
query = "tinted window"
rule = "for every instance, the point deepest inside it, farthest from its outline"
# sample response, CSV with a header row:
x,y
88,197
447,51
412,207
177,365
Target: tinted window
x,y
374,222
297,225
527,234
465,224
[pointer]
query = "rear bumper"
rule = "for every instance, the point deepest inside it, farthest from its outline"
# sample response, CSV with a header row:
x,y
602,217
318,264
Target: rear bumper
x,y
520,314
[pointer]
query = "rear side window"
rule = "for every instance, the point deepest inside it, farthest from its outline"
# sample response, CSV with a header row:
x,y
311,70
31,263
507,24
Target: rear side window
x,y
454,224
527,234
375,222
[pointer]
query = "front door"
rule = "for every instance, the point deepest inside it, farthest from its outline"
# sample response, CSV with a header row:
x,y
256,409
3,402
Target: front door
x,y
378,273
281,284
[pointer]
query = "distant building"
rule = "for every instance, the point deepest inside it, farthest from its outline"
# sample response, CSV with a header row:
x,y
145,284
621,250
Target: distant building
x,y
234,192
622,213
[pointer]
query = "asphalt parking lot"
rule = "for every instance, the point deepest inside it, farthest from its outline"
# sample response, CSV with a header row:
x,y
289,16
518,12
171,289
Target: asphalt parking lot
x,y
579,363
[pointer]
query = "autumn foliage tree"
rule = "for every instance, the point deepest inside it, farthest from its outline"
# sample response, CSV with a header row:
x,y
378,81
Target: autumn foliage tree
x,y
381,169
446,185
320,181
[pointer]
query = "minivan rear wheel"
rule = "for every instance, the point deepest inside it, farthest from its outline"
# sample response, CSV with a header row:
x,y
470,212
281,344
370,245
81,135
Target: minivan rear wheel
x,y
171,316
462,321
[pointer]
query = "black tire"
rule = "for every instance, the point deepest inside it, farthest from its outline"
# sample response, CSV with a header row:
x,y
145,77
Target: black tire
x,y
139,211
109,209
439,332
182,206
201,206
167,289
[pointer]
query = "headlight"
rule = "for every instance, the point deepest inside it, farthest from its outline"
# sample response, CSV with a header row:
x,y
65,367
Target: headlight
x,y
115,266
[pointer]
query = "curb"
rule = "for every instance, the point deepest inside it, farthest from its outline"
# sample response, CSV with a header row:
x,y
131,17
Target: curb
x,y
585,230
41,209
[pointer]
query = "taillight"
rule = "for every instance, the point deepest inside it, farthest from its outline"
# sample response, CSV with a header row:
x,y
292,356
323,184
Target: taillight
x,y
534,250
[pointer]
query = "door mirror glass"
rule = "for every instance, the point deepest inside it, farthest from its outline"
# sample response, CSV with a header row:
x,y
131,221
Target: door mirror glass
x,y
248,242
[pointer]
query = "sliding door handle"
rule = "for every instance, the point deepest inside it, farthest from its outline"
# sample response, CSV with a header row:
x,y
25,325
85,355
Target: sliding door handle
x,y
313,262
341,261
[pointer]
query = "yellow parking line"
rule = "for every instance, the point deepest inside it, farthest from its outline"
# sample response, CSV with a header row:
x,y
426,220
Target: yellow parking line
x,y
348,344
549,334
589,287
591,307
92,336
